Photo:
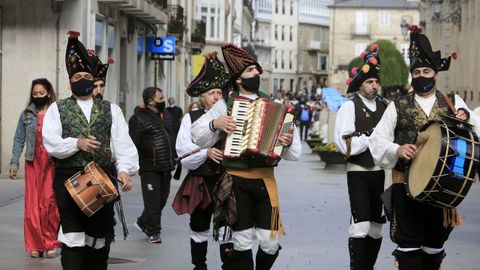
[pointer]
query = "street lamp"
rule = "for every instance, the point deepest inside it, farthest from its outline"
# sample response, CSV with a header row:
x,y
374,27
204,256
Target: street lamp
x,y
404,27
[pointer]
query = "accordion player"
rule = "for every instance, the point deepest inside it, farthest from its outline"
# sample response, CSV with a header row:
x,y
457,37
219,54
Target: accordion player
x,y
260,123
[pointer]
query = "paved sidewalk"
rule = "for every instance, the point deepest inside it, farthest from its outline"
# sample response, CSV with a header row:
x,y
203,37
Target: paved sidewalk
x,y
314,207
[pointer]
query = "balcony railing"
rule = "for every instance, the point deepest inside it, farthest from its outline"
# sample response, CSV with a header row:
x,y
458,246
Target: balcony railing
x,y
198,36
175,21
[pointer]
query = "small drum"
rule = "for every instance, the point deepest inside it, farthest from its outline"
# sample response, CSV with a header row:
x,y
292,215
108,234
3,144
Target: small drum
x,y
444,167
91,189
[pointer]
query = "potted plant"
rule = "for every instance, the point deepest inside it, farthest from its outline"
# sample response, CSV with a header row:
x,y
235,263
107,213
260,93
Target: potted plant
x,y
329,154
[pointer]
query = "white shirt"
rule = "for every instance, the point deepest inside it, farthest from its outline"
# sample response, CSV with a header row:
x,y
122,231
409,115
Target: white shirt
x,y
381,143
345,124
185,145
205,138
122,146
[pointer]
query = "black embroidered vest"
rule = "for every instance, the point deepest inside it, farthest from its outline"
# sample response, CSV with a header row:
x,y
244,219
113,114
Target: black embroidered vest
x,y
411,119
365,120
75,125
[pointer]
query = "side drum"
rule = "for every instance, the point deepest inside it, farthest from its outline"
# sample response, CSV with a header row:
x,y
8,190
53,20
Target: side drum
x,y
91,189
443,170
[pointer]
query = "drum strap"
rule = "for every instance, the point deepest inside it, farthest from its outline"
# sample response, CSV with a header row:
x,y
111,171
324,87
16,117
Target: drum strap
x,y
448,100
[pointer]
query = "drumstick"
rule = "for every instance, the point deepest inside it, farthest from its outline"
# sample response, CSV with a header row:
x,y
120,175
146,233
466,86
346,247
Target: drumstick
x,y
422,138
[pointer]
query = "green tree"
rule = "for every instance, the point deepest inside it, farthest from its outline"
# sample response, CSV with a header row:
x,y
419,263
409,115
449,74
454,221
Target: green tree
x,y
393,70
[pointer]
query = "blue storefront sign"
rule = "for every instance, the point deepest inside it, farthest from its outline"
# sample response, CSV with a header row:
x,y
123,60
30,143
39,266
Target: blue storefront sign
x,y
161,48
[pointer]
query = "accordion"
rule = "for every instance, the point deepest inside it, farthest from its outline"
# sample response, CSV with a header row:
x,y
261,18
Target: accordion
x,y
260,123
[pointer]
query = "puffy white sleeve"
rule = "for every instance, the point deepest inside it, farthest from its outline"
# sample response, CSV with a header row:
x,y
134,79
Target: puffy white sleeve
x,y
53,142
381,145
185,145
345,124
202,135
122,145
474,118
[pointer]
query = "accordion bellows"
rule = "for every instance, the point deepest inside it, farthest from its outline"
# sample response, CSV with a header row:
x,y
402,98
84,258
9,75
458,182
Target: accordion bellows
x,y
260,123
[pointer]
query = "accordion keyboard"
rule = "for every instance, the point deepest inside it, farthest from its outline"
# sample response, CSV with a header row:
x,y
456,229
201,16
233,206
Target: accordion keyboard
x,y
233,144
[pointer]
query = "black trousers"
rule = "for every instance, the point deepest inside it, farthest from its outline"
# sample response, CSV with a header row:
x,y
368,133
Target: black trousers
x,y
364,189
155,191
72,219
304,126
253,204
201,218
416,224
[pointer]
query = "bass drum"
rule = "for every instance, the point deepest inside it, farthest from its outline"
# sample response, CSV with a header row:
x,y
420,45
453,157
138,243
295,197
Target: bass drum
x,y
445,165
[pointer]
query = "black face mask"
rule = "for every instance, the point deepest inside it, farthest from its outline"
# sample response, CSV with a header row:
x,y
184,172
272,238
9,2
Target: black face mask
x,y
422,84
41,101
82,87
251,84
99,96
160,106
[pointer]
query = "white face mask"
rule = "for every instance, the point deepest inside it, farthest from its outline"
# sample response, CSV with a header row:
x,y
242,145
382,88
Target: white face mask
x,y
194,109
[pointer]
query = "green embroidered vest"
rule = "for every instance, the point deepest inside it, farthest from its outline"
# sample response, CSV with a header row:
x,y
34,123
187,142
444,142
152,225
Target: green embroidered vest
x,y
411,119
240,163
75,125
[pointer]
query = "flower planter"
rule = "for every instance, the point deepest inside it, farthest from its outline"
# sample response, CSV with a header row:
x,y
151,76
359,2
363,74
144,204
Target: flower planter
x,y
330,157
312,143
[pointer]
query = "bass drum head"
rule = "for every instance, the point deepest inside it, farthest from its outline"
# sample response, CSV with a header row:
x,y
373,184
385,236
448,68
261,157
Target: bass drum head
x,y
425,161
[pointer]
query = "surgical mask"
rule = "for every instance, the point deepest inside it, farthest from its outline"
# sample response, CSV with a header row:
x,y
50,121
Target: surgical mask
x,y
251,84
40,101
160,106
422,84
82,87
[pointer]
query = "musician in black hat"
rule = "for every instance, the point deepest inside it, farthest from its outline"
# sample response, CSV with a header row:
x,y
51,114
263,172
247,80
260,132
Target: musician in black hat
x,y
355,121
195,194
247,197
76,131
420,230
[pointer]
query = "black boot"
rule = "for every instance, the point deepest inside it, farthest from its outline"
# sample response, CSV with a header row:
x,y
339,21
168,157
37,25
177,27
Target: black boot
x,y
97,258
73,257
226,252
358,253
264,261
199,254
432,261
373,247
243,260
412,260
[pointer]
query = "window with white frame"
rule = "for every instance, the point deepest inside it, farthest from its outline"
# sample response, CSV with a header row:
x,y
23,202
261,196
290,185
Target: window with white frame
x,y
361,26
291,33
275,60
282,59
384,18
283,33
211,13
359,48
290,61
276,32
291,8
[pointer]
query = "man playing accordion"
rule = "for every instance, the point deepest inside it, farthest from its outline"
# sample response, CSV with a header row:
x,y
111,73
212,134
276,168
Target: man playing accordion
x,y
248,189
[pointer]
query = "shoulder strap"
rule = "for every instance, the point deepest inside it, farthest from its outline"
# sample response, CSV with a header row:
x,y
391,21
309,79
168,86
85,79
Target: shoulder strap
x,y
450,104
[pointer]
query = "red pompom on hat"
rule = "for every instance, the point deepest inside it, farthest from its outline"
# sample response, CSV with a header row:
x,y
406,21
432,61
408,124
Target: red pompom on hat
x,y
73,34
355,70
454,55
363,54
374,47
110,61
349,80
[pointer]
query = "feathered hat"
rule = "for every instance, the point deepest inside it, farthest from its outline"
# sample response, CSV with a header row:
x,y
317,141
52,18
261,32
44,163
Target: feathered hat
x,y
370,69
212,75
422,55
238,60
77,58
